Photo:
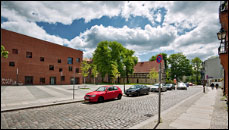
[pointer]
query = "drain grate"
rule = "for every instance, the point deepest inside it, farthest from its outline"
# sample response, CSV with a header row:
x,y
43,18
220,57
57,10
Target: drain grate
x,y
148,115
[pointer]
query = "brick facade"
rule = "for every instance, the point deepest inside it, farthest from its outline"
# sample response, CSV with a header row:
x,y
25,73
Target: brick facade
x,y
223,18
45,56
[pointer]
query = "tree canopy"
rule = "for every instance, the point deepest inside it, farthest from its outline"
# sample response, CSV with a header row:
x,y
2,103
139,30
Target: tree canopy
x,y
111,57
4,53
180,66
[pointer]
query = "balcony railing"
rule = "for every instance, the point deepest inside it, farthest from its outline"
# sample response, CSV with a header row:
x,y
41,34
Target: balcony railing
x,y
223,6
223,48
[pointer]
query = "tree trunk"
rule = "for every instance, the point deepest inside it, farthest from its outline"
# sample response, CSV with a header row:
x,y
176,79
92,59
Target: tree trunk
x,y
94,80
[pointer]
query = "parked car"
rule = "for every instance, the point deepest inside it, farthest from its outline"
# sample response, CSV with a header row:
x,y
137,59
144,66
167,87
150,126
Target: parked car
x,y
187,84
190,84
170,86
181,86
137,90
155,88
104,93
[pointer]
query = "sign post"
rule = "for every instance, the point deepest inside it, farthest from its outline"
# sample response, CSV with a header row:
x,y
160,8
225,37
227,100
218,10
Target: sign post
x,y
159,59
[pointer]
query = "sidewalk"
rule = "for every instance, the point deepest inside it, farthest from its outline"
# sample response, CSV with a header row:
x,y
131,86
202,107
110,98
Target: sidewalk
x,y
24,97
196,112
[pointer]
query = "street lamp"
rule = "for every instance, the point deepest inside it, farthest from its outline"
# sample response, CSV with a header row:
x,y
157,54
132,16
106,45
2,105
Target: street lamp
x,y
221,34
124,77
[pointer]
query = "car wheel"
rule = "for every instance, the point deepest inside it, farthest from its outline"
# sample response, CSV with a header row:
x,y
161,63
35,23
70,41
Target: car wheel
x,y
119,96
101,99
127,95
147,92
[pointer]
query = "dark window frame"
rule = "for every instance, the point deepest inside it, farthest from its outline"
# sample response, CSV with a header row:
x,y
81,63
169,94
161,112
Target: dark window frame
x,y
59,61
29,54
78,60
62,78
50,67
77,70
12,63
42,59
69,68
42,80
14,51
68,62
60,69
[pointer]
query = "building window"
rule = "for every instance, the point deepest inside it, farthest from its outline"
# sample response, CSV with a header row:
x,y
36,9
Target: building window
x,y
11,63
42,59
77,70
15,51
59,61
51,67
62,78
60,69
78,60
28,80
28,54
70,68
42,80
70,60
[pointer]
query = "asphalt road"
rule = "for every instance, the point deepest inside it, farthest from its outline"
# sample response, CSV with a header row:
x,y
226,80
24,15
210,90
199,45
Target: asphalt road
x,y
117,114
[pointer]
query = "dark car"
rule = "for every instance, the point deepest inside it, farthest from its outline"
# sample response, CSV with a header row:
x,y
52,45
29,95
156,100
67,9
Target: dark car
x,y
137,90
170,86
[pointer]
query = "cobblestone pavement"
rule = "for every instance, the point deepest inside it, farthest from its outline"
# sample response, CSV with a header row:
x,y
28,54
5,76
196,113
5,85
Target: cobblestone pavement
x,y
112,114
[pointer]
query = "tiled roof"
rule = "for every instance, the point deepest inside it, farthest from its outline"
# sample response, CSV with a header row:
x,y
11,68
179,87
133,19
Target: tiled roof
x,y
146,67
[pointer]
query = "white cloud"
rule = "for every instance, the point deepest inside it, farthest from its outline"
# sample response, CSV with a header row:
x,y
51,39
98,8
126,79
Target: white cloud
x,y
199,17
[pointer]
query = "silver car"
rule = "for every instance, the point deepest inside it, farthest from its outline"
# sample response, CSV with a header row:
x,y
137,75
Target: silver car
x,y
181,86
155,88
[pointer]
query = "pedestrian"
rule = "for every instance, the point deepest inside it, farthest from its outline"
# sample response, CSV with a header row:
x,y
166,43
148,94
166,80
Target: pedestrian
x,y
217,85
212,85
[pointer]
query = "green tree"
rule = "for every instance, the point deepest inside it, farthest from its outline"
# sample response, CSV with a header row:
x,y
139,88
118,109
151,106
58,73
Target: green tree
x,y
153,74
4,53
114,71
102,58
197,66
153,58
94,71
85,69
180,66
110,54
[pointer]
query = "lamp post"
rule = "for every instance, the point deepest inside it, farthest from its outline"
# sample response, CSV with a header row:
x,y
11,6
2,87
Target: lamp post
x,y
124,78
222,36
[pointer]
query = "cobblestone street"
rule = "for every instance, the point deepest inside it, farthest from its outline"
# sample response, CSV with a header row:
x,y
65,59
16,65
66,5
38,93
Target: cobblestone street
x,y
117,114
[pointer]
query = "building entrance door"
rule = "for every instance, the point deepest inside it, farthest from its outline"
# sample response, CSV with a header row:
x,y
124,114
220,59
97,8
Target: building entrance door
x,y
28,80
52,80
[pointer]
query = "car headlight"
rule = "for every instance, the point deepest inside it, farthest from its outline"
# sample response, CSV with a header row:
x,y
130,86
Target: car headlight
x,y
93,95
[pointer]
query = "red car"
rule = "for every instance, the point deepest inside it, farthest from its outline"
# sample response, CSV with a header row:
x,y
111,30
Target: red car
x,y
104,93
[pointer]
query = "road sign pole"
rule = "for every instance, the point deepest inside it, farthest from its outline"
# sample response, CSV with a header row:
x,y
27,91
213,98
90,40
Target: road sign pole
x,y
159,102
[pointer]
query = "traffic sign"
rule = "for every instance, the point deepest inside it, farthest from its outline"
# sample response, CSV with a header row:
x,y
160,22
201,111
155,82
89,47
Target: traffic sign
x,y
159,58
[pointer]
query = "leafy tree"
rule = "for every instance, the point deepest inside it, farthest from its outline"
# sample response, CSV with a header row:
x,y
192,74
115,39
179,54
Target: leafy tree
x,y
180,66
153,58
110,56
102,57
94,71
4,53
153,74
129,61
197,66
114,71
85,69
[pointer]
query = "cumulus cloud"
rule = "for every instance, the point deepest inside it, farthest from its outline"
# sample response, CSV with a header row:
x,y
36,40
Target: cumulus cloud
x,y
196,21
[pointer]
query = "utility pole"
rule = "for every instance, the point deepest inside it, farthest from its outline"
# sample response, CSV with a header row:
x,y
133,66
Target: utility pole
x,y
159,102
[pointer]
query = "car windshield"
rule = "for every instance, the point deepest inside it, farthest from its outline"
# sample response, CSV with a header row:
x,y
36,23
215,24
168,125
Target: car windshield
x,y
181,84
168,84
135,86
101,89
156,84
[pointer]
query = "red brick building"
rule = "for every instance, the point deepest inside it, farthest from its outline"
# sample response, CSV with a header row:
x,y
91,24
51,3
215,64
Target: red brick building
x,y
223,37
34,61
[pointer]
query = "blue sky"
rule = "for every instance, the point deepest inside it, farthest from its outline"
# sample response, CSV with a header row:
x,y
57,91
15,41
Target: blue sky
x,y
146,27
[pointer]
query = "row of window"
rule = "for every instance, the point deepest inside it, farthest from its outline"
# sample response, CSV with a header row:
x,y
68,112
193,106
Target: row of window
x,y
51,67
29,80
29,55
